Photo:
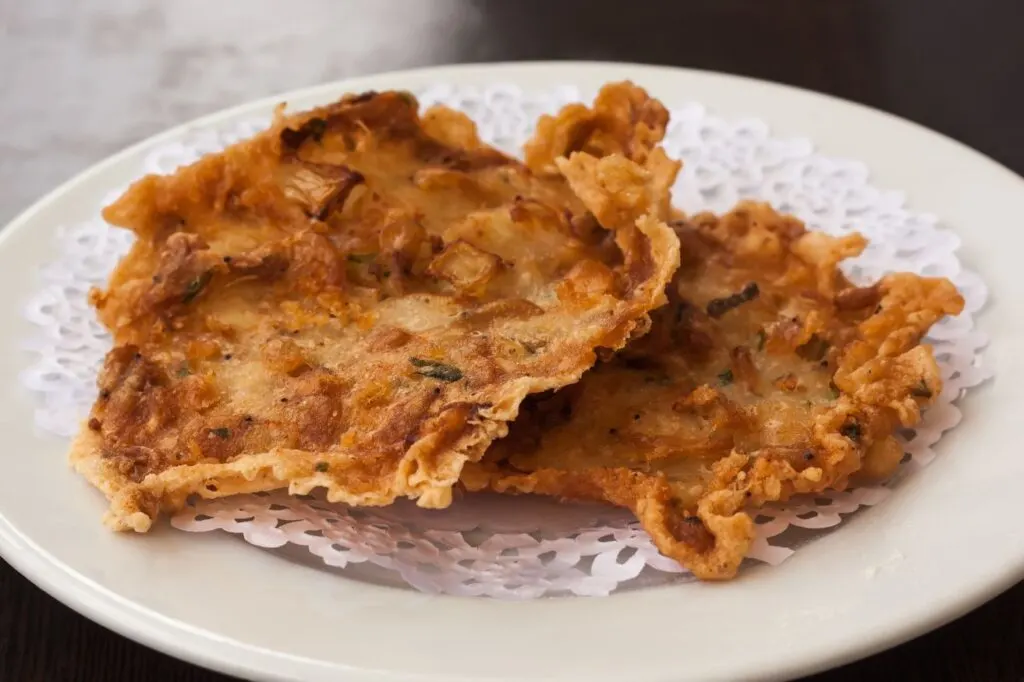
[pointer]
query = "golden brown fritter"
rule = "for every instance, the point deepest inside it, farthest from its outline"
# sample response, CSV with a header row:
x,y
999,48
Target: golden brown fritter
x,y
766,375
358,299
623,120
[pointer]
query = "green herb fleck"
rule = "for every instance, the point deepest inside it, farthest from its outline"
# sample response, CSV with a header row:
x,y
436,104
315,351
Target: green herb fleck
x,y
436,370
761,339
725,378
321,467
361,257
814,349
921,390
184,371
196,286
221,432
851,430
720,306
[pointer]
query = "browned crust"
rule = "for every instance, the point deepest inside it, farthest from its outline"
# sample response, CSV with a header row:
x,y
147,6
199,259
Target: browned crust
x,y
725,404
257,347
623,120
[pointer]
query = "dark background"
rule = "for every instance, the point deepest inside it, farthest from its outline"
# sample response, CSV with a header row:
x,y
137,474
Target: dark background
x,y
82,80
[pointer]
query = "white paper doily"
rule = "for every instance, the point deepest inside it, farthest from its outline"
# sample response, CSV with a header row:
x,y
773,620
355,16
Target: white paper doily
x,y
521,547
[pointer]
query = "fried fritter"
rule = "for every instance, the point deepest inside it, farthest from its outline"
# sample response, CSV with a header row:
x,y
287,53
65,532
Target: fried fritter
x,y
768,374
359,299
622,120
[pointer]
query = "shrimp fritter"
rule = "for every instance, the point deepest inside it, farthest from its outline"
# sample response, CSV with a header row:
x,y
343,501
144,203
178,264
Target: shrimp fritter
x,y
767,375
358,299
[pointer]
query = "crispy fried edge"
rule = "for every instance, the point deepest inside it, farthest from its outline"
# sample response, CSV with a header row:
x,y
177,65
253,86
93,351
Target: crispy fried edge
x,y
133,506
740,480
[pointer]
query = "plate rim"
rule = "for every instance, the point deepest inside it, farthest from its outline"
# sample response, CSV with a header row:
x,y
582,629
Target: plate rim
x,y
114,612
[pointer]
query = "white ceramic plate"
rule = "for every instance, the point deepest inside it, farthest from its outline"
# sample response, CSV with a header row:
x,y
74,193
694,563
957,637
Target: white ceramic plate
x,y
222,604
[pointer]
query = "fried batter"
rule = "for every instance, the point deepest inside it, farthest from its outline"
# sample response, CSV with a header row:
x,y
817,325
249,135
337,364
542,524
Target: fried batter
x,y
768,374
359,299
623,120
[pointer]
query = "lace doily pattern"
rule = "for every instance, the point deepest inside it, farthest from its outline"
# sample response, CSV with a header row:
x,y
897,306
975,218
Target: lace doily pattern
x,y
520,547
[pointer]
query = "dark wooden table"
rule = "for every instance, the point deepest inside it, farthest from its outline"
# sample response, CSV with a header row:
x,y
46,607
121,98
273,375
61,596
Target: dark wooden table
x,y
955,66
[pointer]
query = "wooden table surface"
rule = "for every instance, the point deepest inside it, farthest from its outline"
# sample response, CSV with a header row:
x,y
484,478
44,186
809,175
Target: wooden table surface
x,y
952,65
